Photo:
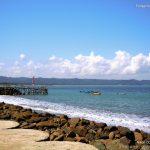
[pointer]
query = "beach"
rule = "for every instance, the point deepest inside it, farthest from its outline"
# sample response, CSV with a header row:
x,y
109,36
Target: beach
x,y
63,128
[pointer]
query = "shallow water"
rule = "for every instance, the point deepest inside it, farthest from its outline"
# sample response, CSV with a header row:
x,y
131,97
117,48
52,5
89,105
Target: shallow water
x,y
118,105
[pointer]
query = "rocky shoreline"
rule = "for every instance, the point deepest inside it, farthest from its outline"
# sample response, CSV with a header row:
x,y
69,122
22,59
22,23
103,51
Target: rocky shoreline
x,y
62,128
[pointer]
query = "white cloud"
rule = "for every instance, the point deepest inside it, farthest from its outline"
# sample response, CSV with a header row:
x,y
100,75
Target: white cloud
x,y
123,65
22,56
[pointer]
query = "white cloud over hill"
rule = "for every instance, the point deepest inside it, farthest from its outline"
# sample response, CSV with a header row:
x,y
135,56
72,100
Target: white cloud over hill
x,y
123,65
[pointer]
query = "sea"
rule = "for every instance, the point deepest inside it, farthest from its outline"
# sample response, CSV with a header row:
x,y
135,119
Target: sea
x,y
120,105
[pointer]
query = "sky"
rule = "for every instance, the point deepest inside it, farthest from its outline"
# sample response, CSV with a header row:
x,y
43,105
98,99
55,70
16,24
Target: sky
x,y
101,39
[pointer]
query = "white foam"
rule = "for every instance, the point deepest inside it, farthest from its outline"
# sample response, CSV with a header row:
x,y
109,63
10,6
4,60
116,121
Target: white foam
x,y
128,120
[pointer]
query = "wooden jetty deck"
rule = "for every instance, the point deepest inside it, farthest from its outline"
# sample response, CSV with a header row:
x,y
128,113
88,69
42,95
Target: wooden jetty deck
x,y
23,90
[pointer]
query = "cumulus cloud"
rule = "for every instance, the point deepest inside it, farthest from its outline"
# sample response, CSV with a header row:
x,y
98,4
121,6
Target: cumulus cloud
x,y
84,66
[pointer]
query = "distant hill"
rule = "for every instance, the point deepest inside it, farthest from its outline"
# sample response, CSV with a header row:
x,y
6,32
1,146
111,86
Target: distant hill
x,y
74,81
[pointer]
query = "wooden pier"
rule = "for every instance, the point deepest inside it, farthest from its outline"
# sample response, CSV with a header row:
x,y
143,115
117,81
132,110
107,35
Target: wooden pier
x,y
23,90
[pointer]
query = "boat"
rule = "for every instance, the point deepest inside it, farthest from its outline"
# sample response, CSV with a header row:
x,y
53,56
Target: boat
x,y
95,93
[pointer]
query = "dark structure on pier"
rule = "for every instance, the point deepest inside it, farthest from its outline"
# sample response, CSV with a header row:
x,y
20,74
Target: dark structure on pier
x,y
23,90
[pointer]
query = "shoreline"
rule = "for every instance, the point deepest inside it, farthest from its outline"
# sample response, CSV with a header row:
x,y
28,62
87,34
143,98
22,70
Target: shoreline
x,y
131,121
62,128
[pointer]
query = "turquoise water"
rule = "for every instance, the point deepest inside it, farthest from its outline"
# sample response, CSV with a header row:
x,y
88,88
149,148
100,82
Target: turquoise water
x,y
118,105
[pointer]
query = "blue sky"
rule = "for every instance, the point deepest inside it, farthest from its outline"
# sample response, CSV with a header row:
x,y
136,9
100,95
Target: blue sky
x,y
40,29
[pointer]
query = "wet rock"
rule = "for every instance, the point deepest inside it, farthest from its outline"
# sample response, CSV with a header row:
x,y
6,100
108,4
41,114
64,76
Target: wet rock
x,y
74,121
98,144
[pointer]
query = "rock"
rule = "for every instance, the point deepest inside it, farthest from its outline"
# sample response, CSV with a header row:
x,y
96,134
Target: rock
x,y
81,131
138,136
54,145
111,135
5,116
23,124
8,124
121,129
144,135
81,139
74,121
59,138
90,136
22,135
98,144
103,136
92,125
21,116
110,128
100,125
129,134
69,139
67,130
29,126
116,145
99,131
137,130
48,123
117,136
105,141
71,134
92,131
84,122
145,147
124,141
63,121
63,117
